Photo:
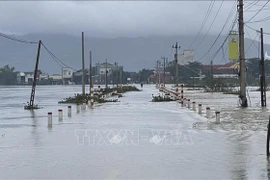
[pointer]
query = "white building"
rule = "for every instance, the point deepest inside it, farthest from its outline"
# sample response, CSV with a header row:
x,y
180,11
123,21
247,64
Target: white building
x,y
67,73
29,77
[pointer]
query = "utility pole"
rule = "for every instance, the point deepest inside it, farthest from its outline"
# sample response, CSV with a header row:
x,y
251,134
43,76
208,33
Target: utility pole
x,y
83,85
263,85
99,78
32,97
212,76
106,76
242,55
159,63
164,69
176,47
157,73
90,72
121,75
117,74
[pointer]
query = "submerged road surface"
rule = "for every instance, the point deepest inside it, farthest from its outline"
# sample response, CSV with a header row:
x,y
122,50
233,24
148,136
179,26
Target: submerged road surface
x,y
131,139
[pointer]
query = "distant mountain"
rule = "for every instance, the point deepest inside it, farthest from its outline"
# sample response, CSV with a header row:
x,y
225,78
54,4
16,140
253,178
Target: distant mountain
x,y
133,53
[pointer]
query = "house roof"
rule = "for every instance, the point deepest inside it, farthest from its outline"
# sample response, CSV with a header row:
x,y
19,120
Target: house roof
x,y
22,73
30,73
225,71
109,65
230,65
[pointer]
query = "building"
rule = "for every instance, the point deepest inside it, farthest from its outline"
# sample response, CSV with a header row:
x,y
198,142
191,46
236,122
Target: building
x,y
224,71
103,66
56,79
160,78
100,75
43,76
21,77
67,74
28,77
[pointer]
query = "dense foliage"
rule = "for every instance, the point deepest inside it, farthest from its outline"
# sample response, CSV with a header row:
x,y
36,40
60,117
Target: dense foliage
x,y
8,76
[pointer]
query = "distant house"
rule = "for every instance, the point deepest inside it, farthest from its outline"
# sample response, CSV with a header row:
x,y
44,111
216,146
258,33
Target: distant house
x,y
56,79
67,73
99,76
25,77
29,77
21,77
103,66
77,77
43,76
159,77
228,70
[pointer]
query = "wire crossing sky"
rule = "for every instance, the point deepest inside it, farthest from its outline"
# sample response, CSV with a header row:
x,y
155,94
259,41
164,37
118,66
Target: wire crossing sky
x,y
125,18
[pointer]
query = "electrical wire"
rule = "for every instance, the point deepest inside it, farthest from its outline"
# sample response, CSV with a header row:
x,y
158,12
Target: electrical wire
x,y
261,20
232,26
258,11
210,25
56,59
226,22
204,21
265,33
251,5
258,5
252,43
13,38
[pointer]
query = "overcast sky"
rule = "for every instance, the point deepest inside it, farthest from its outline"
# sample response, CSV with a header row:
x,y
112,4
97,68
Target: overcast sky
x,y
119,18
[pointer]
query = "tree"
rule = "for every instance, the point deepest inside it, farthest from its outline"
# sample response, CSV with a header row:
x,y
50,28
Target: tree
x,y
8,76
143,75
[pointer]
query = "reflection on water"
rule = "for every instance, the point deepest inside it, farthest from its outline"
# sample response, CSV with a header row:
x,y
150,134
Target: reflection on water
x,y
234,149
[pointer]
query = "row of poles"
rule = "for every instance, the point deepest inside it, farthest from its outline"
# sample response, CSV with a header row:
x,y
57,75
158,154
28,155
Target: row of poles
x,y
185,102
78,108
60,116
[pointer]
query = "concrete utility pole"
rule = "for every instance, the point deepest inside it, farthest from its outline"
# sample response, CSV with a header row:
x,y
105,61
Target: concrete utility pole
x,y
90,71
117,75
212,77
262,79
106,76
121,75
32,97
83,85
164,68
158,72
242,55
176,47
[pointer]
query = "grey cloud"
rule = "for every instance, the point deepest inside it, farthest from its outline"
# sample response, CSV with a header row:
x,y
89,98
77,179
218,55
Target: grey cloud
x,y
115,18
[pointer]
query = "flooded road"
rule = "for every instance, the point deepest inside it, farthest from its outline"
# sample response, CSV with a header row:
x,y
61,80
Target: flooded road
x,y
131,139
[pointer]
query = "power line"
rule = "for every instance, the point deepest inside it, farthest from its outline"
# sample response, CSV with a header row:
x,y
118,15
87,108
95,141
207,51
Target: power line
x,y
232,11
265,33
255,10
56,59
216,53
258,5
258,11
210,25
252,43
204,21
13,38
251,5
261,20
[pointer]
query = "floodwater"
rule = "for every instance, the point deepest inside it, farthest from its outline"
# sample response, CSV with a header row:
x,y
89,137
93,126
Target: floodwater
x,y
131,139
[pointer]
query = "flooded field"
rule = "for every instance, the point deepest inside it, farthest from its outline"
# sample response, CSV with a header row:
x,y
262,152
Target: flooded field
x,y
131,139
